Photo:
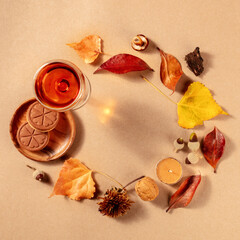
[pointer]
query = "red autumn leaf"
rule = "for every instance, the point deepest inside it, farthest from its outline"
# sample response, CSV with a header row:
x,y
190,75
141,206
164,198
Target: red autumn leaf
x,y
183,196
170,70
124,63
213,147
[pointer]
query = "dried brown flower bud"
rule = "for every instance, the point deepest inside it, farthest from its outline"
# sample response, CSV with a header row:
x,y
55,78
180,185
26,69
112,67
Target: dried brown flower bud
x,y
195,61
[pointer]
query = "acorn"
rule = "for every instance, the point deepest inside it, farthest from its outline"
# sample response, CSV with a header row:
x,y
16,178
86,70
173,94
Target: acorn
x,y
139,42
193,143
192,158
178,144
37,174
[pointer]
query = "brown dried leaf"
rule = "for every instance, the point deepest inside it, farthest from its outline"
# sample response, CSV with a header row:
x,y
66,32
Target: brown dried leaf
x,y
183,196
147,189
75,181
88,48
170,70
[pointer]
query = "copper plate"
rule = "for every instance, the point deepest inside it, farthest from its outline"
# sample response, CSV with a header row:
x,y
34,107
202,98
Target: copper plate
x,y
61,138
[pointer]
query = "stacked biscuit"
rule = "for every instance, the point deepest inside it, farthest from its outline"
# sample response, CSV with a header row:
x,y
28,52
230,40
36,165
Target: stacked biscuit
x,y
33,135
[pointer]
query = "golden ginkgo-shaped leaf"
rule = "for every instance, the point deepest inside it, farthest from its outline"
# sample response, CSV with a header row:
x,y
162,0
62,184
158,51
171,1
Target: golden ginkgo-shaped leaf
x,y
75,181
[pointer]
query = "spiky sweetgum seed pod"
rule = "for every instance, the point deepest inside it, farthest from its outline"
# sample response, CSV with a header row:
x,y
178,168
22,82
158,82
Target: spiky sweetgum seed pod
x,y
115,203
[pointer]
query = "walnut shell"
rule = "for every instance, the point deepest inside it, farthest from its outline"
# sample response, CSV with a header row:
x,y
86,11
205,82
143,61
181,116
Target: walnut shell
x,y
147,189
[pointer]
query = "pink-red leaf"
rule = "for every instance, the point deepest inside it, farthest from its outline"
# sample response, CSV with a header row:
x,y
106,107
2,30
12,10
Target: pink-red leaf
x,y
183,196
123,63
213,147
170,70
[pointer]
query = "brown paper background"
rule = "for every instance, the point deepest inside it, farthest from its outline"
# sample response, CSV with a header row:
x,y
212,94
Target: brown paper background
x,y
143,125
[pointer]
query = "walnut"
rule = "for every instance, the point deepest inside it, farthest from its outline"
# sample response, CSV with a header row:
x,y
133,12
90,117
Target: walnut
x,y
147,189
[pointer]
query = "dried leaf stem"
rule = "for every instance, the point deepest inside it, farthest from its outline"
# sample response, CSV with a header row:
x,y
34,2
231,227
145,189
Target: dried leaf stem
x,y
133,181
156,88
106,175
33,168
122,187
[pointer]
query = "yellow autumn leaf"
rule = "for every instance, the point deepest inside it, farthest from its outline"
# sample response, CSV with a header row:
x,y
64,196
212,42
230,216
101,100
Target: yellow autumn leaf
x,y
88,48
197,105
75,181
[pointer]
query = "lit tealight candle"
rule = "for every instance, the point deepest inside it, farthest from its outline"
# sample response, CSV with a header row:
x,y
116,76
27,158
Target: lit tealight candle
x,y
169,171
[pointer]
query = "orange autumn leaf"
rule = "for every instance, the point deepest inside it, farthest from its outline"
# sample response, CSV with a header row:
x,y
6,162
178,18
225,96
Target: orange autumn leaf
x,y
170,70
88,48
75,181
